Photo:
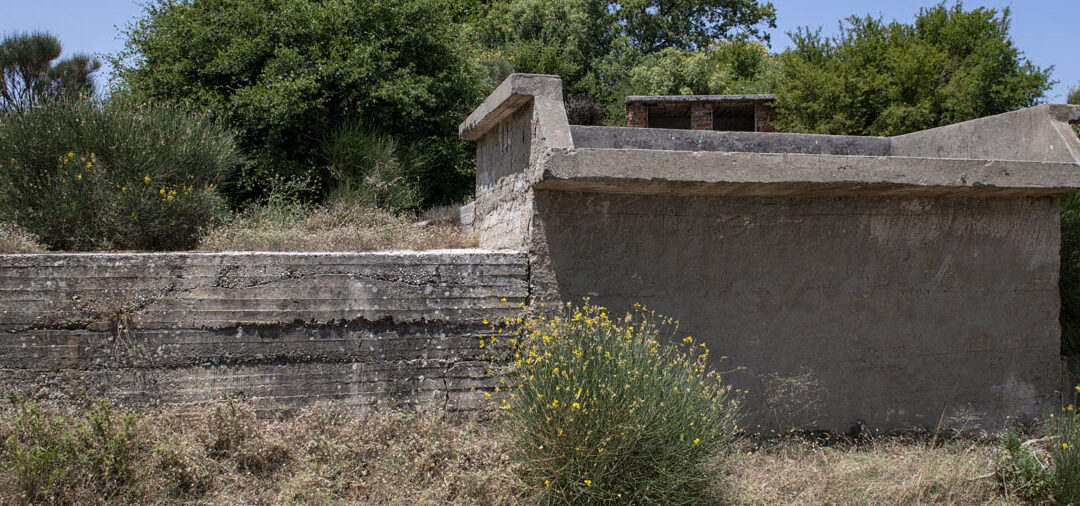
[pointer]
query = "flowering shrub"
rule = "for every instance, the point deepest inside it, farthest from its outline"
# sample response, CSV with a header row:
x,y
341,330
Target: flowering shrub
x,y
604,410
118,175
1065,452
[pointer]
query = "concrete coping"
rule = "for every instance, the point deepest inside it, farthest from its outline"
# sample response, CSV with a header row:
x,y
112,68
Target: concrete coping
x,y
1033,151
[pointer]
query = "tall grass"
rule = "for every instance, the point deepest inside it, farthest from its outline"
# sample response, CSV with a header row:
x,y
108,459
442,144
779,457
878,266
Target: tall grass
x,y
604,410
112,175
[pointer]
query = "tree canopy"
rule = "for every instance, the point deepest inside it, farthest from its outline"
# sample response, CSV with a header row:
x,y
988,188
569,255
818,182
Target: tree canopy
x,y
30,73
876,78
593,44
286,73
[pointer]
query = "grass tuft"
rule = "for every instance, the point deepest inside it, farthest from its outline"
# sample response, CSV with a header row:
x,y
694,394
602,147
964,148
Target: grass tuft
x,y
15,239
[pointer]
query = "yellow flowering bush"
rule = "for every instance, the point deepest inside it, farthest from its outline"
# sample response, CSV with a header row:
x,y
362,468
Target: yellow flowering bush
x,y
1065,452
612,410
113,175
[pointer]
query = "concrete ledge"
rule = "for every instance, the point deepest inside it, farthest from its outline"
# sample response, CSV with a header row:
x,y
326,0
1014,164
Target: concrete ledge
x,y
765,174
515,91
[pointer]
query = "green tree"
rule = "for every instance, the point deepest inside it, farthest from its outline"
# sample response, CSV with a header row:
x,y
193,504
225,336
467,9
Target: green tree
x,y
30,73
592,44
723,68
287,73
876,78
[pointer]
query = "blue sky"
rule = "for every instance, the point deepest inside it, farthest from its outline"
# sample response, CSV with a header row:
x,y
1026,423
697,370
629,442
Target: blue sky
x,y
1046,30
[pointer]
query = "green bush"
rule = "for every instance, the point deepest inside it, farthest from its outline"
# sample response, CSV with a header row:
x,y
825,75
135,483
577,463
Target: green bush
x,y
52,456
116,175
368,168
603,411
1045,469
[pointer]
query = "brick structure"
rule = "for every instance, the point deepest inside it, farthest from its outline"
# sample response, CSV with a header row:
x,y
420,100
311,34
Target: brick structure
x,y
701,115
738,113
637,115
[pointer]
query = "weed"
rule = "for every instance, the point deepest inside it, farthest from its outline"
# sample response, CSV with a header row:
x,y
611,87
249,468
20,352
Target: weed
x,y
15,239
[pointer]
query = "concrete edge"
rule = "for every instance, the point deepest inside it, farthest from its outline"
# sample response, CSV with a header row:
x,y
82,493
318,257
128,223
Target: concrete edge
x,y
621,166
515,91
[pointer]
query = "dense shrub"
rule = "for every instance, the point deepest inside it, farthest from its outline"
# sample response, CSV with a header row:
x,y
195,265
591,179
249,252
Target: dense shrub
x,y
285,74
54,458
116,175
605,411
368,167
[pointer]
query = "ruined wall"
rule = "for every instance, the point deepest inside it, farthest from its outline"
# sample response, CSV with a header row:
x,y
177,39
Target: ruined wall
x,y
279,329
905,311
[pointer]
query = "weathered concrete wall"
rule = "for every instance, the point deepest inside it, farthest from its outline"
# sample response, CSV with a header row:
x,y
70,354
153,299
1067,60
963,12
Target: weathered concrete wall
x,y
280,329
912,277
904,310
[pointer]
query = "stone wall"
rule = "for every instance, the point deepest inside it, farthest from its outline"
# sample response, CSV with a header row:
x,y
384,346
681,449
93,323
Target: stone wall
x,y
278,329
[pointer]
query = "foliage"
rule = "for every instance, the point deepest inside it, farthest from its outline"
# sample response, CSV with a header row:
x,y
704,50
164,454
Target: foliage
x,y
591,44
1046,469
874,78
366,167
29,76
722,68
117,175
47,454
600,410
1065,452
1021,472
1069,280
287,73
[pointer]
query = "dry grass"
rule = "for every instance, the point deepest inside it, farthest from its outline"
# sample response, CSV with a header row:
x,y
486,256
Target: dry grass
x,y
225,455
883,471
14,239
335,227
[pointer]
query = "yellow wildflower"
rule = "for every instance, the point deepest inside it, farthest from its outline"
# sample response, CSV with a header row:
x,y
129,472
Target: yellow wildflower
x,y
146,179
588,483
576,405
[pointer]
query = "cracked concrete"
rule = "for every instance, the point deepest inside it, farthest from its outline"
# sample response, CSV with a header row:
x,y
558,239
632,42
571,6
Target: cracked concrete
x,y
282,329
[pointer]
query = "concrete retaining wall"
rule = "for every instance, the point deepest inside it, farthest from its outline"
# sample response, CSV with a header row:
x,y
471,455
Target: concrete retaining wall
x,y
280,329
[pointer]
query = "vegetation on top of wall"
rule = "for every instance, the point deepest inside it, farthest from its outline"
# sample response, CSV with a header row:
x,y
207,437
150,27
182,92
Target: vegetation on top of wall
x,y
877,78
116,175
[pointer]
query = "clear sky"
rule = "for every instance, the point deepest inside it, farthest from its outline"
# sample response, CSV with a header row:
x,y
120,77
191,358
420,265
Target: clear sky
x,y
1046,30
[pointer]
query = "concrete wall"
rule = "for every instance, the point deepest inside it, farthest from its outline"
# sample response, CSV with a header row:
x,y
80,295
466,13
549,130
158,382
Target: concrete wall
x,y
909,279
903,310
280,329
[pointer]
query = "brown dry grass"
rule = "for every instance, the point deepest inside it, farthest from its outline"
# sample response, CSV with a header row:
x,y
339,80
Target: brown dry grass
x,y
334,227
882,471
14,239
224,454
